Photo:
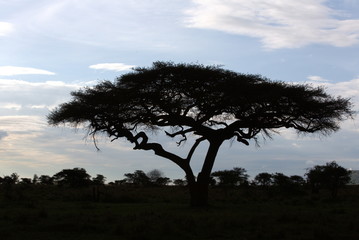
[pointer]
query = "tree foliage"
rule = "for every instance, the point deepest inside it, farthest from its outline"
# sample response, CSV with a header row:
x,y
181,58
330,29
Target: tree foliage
x,y
264,179
330,175
207,102
235,177
139,178
77,177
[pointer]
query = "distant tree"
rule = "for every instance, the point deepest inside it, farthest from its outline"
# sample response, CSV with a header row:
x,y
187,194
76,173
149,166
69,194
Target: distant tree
x,y
281,180
99,179
35,179
297,180
12,179
15,177
158,178
154,174
120,182
234,177
331,176
315,178
264,179
162,181
46,180
76,177
137,178
26,181
179,182
206,102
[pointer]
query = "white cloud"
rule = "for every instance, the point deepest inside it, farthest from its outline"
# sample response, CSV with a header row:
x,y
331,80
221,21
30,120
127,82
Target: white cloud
x,y
14,106
348,89
5,28
317,79
278,23
38,106
20,97
13,70
112,66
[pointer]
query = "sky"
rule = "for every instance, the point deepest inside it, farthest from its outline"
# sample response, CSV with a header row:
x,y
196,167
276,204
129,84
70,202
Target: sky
x,y
51,48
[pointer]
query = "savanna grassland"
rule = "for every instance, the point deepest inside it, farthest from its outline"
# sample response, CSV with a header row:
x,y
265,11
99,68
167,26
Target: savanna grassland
x,y
123,212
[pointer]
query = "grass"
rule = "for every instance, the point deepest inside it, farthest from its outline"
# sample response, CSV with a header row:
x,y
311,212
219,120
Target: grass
x,y
163,213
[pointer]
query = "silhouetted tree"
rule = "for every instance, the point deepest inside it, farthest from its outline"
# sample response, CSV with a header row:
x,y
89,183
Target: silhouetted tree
x,y
234,177
99,179
179,182
264,179
158,178
331,176
46,180
76,177
137,178
297,180
12,179
281,180
26,181
35,179
154,174
207,102
162,181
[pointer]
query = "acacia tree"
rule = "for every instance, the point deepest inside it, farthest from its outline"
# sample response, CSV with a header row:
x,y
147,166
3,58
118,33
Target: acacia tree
x,y
235,177
330,175
208,103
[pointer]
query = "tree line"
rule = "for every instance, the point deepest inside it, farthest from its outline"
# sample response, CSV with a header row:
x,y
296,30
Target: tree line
x,y
330,176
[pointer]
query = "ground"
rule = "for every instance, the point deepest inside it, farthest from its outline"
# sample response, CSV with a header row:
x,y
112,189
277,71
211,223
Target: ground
x,y
34,212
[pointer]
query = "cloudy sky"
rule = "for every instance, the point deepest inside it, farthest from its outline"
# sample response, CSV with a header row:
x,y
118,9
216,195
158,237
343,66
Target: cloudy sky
x,y
50,48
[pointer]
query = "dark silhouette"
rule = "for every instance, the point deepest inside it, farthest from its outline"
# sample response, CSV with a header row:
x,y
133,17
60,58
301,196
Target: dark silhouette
x,y
264,179
46,180
330,175
280,180
9,180
99,179
76,177
157,178
179,182
137,178
207,102
231,178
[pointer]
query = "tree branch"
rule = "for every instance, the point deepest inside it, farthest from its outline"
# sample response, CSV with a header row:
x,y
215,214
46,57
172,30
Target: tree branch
x,y
182,133
195,145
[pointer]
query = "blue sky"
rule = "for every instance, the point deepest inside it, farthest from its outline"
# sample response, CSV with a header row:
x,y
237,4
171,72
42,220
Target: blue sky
x,y
50,48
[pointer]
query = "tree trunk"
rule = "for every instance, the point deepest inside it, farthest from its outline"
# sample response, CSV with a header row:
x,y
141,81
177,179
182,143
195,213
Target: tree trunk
x,y
198,194
199,189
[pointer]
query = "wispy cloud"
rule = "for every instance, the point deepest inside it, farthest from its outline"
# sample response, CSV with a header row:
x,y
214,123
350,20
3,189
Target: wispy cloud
x,y
10,106
101,23
348,89
279,24
317,79
112,66
5,28
19,97
13,70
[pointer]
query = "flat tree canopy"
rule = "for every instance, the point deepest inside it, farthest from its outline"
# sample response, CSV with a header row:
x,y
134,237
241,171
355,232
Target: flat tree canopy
x,y
207,102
